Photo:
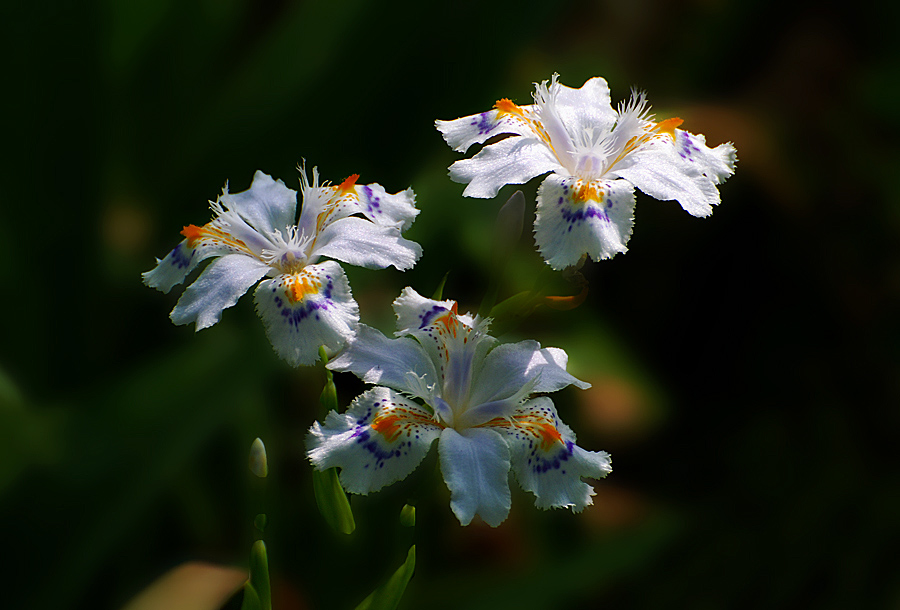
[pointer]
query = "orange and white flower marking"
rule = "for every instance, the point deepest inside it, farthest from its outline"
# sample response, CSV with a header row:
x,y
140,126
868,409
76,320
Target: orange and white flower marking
x,y
595,156
254,234
444,378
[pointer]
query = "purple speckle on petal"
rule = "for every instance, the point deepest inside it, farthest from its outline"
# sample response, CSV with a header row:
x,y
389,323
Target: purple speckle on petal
x,y
483,123
180,258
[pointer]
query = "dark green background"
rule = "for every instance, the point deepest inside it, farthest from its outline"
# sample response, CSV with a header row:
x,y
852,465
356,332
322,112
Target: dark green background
x,y
745,366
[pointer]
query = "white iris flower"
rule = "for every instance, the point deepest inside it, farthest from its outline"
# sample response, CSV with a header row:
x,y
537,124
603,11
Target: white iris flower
x,y
597,156
304,303
477,400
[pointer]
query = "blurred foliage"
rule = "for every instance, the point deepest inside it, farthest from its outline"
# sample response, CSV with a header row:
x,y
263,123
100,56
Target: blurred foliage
x,y
388,595
745,367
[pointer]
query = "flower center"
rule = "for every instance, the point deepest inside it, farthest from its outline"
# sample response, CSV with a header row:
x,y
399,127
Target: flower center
x,y
590,152
292,261
289,255
454,340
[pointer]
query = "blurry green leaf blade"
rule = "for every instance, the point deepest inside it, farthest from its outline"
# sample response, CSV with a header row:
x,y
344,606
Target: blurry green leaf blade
x,y
332,501
328,399
507,231
387,596
28,436
251,598
257,590
509,224
439,291
507,314
10,395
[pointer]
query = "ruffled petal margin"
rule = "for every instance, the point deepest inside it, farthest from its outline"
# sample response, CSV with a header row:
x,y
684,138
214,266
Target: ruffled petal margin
x,y
359,242
462,133
323,205
176,265
545,458
308,309
685,170
475,464
453,342
576,216
515,160
219,286
379,440
415,312
385,208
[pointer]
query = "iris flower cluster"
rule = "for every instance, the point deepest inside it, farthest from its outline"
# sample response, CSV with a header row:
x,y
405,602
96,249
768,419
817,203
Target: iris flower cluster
x,y
443,377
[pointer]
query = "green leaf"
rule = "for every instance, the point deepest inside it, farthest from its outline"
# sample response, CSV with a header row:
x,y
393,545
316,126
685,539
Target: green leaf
x,y
251,599
508,225
507,231
439,291
387,596
328,399
257,590
509,313
28,436
332,501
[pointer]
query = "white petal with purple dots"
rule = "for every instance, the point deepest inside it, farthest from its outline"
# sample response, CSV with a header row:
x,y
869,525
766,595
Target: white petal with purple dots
x,y
577,217
304,310
577,135
546,460
306,304
475,397
462,133
687,172
379,440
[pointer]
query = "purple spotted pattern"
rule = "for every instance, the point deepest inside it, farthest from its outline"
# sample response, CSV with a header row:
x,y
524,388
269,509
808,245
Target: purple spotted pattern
x,y
294,315
373,201
688,148
427,316
539,459
484,122
179,256
364,436
586,210
540,464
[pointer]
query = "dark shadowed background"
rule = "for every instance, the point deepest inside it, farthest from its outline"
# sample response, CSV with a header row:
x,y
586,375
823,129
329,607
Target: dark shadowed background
x,y
744,366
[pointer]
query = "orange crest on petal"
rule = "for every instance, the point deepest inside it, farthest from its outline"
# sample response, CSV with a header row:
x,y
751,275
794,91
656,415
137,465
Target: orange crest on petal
x,y
388,426
298,286
505,106
193,234
668,126
349,183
